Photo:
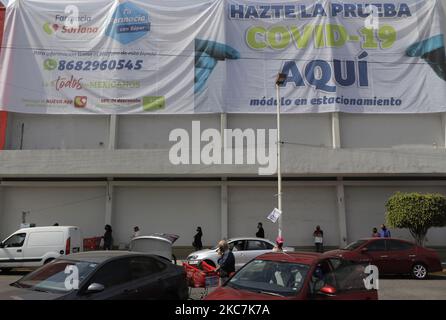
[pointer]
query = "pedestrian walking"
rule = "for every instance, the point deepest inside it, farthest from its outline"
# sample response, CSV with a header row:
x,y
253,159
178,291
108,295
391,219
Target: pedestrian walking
x,y
375,233
384,232
108,238
260,232
197,244
318,235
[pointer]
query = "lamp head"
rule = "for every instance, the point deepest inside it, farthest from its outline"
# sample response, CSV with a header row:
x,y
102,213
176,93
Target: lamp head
x,y
281,78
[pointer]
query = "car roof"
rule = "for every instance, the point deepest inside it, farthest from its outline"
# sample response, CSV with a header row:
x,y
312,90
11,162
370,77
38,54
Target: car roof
x,y
101,256
248,238
46,228
297,257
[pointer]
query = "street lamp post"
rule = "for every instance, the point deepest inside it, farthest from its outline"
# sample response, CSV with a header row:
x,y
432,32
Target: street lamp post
x,y
281,77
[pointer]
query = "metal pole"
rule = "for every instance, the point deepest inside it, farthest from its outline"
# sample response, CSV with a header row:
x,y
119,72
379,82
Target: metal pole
x,y
279,174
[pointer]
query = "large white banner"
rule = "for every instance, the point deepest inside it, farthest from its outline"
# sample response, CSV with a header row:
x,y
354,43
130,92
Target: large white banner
x,y
205,56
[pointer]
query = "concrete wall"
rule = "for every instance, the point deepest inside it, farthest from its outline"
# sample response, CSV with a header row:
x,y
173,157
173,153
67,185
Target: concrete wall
x,y
167,210
365,208
57,132
82,206
152,132
303,207
389,130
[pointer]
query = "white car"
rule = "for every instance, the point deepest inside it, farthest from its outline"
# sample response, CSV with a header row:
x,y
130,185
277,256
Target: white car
x,y
244,250
33,247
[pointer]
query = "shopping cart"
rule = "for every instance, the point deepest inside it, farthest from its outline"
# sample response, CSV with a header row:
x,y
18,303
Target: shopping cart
x,y
201,276
91,244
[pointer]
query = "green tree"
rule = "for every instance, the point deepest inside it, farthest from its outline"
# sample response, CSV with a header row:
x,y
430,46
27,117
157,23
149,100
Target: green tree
x,y
416,212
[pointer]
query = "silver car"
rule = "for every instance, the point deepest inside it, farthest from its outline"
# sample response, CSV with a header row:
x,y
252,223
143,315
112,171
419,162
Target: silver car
x,y
244,250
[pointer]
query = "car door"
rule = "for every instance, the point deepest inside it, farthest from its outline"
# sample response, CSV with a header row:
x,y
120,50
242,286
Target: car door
x,y
150,279
345,278
375,253
401,256
255,248
11,251
238,249
115,276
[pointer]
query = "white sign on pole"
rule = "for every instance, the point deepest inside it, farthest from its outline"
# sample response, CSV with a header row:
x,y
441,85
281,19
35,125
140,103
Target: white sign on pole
x,y
274,215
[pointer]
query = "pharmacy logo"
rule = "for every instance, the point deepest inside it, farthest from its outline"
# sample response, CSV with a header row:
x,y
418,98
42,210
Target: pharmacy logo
x,y
50,28
128,23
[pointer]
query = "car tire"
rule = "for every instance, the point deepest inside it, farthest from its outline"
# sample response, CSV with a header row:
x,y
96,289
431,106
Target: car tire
x,y
419,271
48,260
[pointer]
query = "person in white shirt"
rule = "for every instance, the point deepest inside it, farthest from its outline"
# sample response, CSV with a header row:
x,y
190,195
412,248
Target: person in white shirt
x,y
136,232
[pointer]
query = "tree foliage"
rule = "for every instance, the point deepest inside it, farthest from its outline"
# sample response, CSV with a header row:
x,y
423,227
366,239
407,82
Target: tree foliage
x,y
416,212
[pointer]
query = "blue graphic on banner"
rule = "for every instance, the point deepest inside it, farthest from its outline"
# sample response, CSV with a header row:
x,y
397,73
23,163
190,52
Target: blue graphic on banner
x,y
129,23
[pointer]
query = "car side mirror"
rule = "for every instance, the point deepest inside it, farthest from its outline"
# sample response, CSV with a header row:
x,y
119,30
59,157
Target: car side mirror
x,y
364,250
327,290
95,287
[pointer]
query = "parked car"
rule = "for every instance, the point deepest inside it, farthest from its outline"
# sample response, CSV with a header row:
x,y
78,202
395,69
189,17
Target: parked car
x,y
393,256
244,250
155,243
33,247
296,276
103,275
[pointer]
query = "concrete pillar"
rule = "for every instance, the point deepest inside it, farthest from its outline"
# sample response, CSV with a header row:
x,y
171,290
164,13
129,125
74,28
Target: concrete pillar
x,y
342,216
224,209
335,130
443,122
112,134
108,203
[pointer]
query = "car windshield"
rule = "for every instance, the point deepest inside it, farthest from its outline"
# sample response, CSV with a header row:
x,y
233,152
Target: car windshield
x,y
354,245
56,277
270,277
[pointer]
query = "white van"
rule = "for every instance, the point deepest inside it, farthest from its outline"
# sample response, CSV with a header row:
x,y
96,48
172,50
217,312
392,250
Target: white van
x,y
33,247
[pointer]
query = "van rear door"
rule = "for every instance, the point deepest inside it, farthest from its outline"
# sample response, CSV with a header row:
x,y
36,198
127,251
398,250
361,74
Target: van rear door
x,y
75,240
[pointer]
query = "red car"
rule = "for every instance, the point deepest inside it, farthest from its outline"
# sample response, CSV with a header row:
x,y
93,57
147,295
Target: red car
x,y
296,276
392,256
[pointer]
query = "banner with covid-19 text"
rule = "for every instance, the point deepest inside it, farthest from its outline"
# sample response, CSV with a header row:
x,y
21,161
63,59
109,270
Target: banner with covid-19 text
x,y
214,56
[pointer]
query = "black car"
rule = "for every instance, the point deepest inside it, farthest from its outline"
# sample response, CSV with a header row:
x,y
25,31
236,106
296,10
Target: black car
x,y
102,275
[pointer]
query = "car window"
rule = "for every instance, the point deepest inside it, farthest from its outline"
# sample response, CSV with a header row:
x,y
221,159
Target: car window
x,y
268,246
270,277
113,273
377,245
395,245
322,275
238,245
256,245
15,241
141,267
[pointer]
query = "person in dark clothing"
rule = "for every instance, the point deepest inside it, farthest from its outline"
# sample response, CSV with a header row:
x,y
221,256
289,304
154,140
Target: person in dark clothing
x,y
260,233
318,235
226,262
197,244
108,239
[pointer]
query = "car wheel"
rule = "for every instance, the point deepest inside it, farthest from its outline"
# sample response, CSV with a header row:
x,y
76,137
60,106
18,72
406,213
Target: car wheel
x,y
48,260
419,271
